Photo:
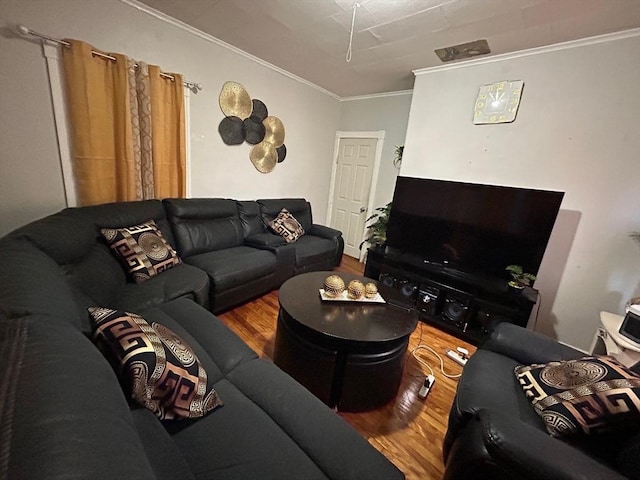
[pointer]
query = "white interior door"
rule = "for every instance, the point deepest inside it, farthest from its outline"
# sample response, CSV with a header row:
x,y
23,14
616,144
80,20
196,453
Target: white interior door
x,y
356,157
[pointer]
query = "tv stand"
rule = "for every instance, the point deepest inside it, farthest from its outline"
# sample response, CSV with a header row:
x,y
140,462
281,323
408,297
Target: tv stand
x,y
459,303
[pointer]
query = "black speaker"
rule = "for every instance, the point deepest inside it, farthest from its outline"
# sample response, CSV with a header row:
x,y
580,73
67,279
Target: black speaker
x,y
456,309
399,291
407,289
428,299
387,280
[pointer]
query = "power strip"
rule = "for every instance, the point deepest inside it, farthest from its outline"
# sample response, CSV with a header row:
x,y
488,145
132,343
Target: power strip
x,y
457,357
426,387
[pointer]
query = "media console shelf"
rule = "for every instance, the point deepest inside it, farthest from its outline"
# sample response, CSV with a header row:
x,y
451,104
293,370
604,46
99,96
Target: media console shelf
x,y
456,302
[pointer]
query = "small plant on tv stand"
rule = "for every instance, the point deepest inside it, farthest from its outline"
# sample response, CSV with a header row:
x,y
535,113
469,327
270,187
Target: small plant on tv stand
x,y
377,230
519,278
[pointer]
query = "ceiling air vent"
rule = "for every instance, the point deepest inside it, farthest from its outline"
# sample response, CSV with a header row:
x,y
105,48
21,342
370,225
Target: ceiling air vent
x,y
464,50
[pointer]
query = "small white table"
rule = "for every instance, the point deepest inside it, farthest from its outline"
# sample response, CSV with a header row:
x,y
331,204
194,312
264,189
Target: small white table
x,y
608,341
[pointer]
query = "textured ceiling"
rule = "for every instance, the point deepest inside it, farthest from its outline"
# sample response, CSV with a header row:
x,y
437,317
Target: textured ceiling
x,y
309,38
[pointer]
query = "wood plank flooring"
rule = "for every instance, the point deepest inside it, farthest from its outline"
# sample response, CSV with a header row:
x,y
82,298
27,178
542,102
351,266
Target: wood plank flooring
x,y
408,430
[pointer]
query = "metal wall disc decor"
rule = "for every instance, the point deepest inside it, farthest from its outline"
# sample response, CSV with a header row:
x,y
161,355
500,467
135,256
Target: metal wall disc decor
x,y
282,152
248,119
235,100
274,131
253,130
259,109
231,130
264,157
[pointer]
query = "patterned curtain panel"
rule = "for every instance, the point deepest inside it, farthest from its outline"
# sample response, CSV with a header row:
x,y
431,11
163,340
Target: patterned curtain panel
x,y
127,127
140,93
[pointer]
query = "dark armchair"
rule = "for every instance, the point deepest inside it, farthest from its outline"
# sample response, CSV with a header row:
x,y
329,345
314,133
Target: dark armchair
x,y
494,432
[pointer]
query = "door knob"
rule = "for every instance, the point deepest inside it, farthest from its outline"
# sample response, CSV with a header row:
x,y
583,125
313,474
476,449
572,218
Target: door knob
x,y
363,209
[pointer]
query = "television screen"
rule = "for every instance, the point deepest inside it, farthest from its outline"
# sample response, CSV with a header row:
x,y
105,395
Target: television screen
x,y
478,229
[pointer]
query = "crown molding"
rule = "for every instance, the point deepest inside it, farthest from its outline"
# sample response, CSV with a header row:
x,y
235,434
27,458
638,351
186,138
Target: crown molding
x,y
607,37
210,38
377,95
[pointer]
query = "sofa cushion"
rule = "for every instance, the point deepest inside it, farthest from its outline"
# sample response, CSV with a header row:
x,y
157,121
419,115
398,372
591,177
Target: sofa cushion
x,y
33,283
298,207
292,434
583,396
204,224
253,445
231,267
163,454
64,414
181,281
159,368
115,215
142,250
218,348
286,226
310,250
322,432
62,236
250,217
485,385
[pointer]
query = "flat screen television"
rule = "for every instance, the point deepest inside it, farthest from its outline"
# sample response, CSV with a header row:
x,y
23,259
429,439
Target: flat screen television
x,y
472,228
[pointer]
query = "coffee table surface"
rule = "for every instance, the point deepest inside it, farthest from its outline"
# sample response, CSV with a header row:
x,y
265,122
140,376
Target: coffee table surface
x,y
352,321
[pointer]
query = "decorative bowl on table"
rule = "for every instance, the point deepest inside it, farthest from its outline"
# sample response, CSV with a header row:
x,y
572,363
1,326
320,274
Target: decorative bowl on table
x,y
355,289
370,290
333,286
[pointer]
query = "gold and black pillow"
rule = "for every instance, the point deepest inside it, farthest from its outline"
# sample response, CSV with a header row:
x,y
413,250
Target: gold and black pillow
x,y
584,396
141,249
286,226
161,370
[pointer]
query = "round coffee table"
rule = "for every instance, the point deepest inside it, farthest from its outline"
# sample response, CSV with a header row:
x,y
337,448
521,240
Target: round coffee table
x,y
348,354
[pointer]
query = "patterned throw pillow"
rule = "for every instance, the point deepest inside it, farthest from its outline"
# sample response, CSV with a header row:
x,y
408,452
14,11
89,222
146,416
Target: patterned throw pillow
x,y
160,368
287,226
588,395
141,249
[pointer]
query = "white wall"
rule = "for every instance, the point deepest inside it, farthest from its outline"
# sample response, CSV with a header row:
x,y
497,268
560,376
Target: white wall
x,y
30,174
578,131
389,113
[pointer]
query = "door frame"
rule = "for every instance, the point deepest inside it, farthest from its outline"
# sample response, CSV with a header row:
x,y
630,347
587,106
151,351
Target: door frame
x,y
379,135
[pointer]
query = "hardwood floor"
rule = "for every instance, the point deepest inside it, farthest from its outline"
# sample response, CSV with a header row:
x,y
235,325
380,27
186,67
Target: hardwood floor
x,y
408,430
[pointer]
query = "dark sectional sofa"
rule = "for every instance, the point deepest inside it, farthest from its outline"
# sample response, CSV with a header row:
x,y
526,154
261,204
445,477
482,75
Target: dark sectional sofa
x,y
495,433
64,413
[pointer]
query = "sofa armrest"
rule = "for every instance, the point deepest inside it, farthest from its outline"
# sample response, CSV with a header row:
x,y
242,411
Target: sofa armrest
x,y
264,240
324,232
285,253
536,455
526,346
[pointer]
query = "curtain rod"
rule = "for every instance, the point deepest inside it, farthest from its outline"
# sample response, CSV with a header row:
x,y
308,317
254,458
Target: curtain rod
x,y
27,31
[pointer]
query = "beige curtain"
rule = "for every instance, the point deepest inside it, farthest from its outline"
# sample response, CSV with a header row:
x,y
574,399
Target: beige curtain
x,y
141,124
127,128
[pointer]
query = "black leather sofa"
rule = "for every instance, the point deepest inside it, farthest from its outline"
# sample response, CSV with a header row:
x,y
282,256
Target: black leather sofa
x,y
64,413
229,240
494,432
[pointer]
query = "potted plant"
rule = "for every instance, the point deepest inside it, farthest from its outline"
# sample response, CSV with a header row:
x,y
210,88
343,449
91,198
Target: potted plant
x,y
377,230
397,161
519,278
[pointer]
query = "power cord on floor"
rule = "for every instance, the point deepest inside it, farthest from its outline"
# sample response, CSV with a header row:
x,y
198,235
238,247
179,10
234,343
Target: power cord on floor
x,y
422,362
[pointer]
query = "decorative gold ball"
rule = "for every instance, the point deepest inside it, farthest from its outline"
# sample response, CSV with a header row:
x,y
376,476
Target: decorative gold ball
x,y
370,290
333,286
355,289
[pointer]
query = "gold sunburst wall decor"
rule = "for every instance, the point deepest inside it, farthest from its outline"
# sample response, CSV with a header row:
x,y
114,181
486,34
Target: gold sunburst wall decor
x,y
248,120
